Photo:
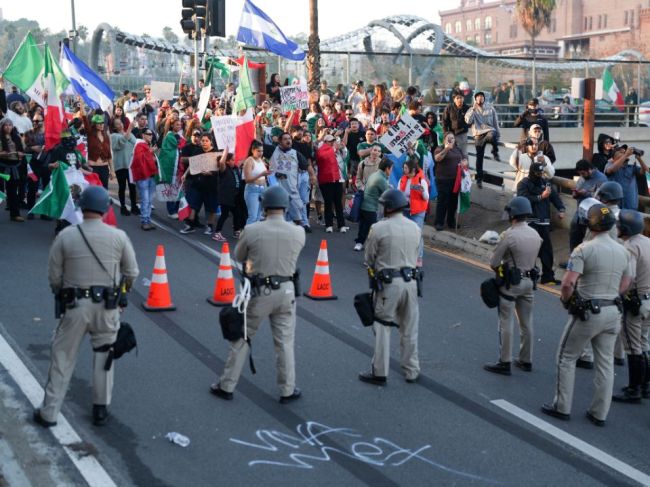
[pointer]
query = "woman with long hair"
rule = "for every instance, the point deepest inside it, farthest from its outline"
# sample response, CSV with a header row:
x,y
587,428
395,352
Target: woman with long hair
x,y
273,88
382,99
118,114
12,155
100,158
255,173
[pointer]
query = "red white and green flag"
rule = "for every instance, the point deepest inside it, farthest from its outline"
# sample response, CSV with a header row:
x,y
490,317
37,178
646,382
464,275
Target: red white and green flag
x,y
244,135
55,84
25,70
56,199
611,91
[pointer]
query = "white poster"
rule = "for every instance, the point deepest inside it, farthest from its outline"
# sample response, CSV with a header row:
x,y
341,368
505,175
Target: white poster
x,y
224,129
405,131
162,90
204,98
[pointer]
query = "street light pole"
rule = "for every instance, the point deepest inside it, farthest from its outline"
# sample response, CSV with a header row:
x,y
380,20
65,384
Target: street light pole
x,y
74,28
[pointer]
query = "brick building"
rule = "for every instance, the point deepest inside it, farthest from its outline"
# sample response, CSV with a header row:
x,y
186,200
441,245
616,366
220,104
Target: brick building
x,y
579,28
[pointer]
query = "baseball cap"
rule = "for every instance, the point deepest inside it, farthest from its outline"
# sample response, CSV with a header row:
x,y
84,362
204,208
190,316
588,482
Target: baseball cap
x,y
535,126
479,93
329,138
537,167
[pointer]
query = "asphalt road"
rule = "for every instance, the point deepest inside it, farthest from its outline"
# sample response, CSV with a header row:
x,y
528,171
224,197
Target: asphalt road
x,y
444,430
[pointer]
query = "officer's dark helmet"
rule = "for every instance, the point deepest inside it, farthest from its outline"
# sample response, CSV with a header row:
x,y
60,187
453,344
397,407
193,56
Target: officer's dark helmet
x,y
519,207
275,198
95,199
600,218
610,191
393,200
630,222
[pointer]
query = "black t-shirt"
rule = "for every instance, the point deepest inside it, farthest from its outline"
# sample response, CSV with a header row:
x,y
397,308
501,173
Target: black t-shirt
x,y
354,138
305,149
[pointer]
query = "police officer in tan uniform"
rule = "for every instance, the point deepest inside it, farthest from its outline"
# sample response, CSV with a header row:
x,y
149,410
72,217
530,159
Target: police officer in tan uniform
x,y
391,253
269,251
86,288
598,271
636,303
514,261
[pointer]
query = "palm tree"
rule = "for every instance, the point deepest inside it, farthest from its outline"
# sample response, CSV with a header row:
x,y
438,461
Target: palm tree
x,y
534,16
313,48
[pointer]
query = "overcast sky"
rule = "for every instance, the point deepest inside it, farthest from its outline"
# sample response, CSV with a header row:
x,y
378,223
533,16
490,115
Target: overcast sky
x,y
139,16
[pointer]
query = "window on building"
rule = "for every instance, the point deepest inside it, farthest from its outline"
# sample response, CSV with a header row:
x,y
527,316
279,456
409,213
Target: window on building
x,y
587,22
468,25
469,39
513,31
632,18
605,21
591,23
448,28
477,24
600,21
627,19
488,22
488,38
458,27
477,39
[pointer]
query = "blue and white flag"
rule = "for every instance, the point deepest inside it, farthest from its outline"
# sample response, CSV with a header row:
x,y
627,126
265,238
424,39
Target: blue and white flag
x,y
257,29
85,82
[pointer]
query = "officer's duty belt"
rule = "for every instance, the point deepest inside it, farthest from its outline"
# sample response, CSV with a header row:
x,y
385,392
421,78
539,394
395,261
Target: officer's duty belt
x,y
399,272
269,281
607,302
81,293
528,274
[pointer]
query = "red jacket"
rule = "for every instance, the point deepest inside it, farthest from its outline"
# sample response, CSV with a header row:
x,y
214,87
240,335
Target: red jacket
x,y
328,166
417,203
143,165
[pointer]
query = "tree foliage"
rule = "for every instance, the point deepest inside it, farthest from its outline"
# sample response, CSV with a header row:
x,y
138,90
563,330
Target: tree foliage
x,y
535,15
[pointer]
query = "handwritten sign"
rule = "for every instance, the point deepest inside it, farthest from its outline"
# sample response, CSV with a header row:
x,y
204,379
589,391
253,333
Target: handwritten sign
x,y
203,162
168,192
294,97
225,132
405,131
162,90
204,99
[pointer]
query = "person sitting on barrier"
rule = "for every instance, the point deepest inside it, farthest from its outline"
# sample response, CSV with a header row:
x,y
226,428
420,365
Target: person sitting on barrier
x,y
543,145
521,161
485,128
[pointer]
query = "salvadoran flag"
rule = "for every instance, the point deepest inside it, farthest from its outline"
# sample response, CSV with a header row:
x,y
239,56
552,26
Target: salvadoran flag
x,y
85,82
257,29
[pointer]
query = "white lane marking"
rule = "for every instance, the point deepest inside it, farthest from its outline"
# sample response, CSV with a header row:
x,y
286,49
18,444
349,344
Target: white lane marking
x,y
89,468
575,442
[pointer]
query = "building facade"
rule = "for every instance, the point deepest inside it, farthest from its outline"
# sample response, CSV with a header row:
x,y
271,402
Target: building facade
x,y
579,28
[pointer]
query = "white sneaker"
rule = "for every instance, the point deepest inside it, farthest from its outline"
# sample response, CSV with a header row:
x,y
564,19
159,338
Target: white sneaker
x,y
174,216
344,229
329,229
358,247
208,230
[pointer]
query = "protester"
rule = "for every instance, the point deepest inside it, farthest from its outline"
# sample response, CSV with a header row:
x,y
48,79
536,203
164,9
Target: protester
x,y
448,159
11,158
376,185
329,182
620,170
416,189
143,170
521,161
228,196
368,166
99,146
122,145
34,146
202,191
255,173
168,157
588,183
453,120
485,128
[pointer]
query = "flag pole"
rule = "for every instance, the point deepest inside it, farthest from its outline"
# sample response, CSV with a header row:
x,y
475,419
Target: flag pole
x,y
180,80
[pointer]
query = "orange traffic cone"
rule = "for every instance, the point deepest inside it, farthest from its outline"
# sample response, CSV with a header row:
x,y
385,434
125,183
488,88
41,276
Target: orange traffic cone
x,y
159,298
321,286
224,286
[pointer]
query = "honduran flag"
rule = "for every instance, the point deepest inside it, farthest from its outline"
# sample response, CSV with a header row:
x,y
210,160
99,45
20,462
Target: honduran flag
x,y
85,82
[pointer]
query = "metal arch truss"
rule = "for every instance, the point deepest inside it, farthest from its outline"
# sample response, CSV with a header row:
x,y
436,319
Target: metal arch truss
x,y
441,41
117,39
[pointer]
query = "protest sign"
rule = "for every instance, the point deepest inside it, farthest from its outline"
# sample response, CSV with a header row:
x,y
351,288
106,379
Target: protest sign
x,y
162,90
168,192
203,162
294,97
405,131
224,132
204,99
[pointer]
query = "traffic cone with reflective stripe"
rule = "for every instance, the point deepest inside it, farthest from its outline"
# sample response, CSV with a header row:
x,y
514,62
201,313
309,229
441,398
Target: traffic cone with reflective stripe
x,y
159,298
224,286
321,285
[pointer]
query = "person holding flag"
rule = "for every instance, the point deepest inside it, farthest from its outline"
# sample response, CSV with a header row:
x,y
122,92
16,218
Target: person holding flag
x,y
100,157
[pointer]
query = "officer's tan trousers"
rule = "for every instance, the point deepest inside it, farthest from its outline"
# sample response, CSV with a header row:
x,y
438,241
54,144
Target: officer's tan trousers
x,y
523,307
600,330
102,325
280,307
634,332
397,303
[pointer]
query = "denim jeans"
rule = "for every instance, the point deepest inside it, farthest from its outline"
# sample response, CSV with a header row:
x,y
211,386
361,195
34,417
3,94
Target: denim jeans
x,y
147,190
252,194
303,189
418,218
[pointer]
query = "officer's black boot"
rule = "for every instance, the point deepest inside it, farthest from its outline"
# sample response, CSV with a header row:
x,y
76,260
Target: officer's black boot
x,y
499,367
636,371
645,383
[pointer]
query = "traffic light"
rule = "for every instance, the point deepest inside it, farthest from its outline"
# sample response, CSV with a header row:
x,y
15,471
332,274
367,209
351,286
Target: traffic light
x,y
217,18
193,17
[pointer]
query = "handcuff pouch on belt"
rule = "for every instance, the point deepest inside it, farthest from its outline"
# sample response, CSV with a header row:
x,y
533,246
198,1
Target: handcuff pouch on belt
x,y
577,306
264,285
377,279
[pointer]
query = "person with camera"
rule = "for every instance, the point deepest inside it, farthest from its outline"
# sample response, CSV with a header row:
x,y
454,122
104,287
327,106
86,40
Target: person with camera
x,y
533,115
268,251
89,266
620,169
636,302
521,161
513,260
391,254
540,194
590,180
485,127
453,121
597,273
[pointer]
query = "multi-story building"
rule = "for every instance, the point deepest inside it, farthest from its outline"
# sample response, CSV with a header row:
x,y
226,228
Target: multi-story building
x,y
579,28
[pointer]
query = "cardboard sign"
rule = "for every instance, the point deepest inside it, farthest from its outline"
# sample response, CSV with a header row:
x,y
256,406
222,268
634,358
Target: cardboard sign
x,y
203,162
224,132
294,97
405,131
168,192
162,90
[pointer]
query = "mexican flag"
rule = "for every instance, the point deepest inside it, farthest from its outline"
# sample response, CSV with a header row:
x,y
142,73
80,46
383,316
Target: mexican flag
x,y
25,70
244,98
2,195
183,208
55,84
244,135
463,186
611,91
56,200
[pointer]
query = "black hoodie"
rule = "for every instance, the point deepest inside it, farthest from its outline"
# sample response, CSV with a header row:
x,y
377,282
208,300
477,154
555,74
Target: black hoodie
x,y
600,158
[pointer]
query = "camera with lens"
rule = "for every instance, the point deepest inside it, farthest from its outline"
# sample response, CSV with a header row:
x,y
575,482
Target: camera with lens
x,y
636,151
